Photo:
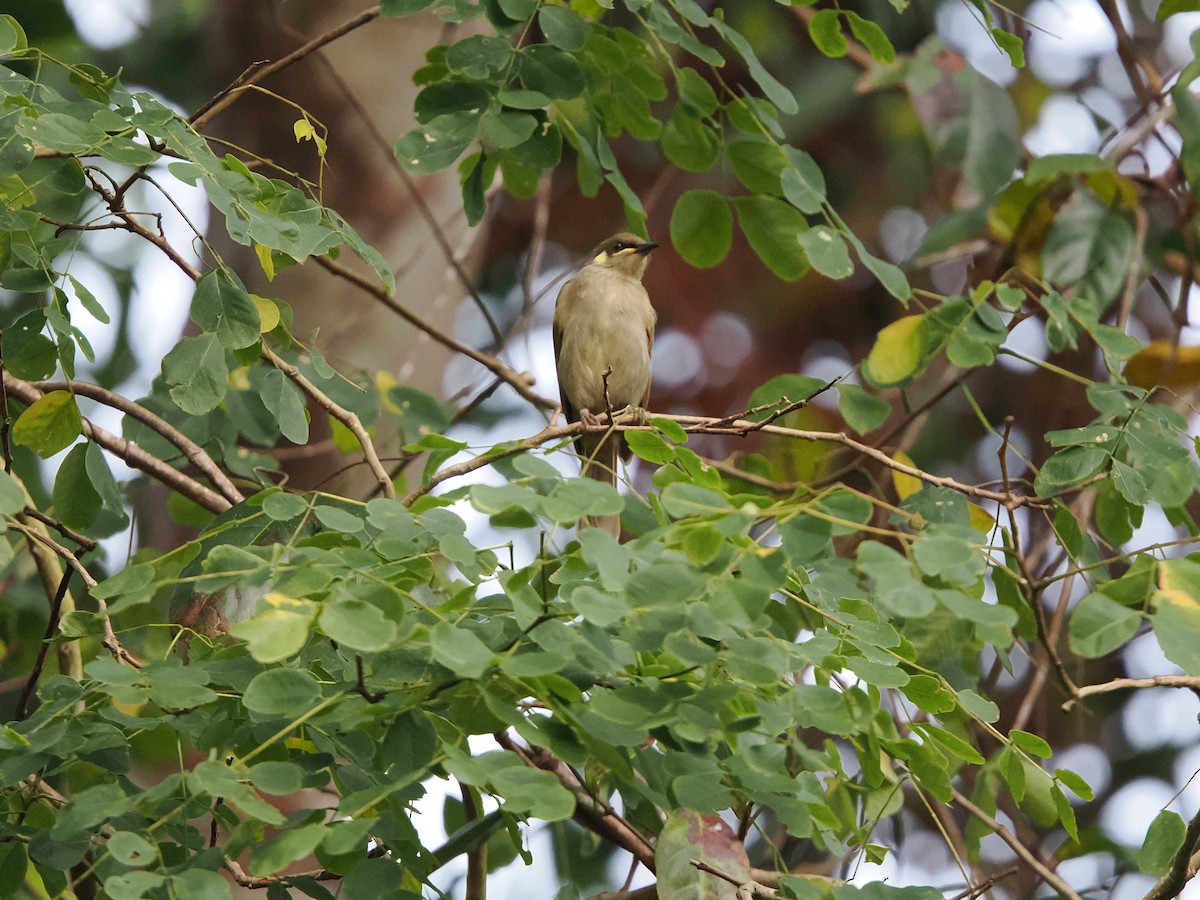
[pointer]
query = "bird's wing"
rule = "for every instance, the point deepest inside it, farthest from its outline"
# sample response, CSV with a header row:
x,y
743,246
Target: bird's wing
x,y
645,404
569,412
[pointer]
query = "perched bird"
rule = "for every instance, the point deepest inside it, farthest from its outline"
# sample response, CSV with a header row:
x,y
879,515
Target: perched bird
x,y
603,329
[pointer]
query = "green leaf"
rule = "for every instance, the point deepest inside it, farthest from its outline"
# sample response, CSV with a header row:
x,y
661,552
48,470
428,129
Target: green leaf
x,y
862,411
695,92
460,651
1091,247
12,497
825,29
990,152
1067,468
1164,837
758,165
702,228
1171,7
952,743
14,860
1176,624
62,132
508,128
563,28
1066,814
76,502
780,391
689,142
222,306
827,252
533,791
12,39
50,424
1012,45
551,71
871,36
774,91
890,276
88,300
285,402
978,706
1100,625
480,56
278,632
284,507
803,182
682,500
285,847
28,353
1030,743
649,446
282,693
1075,782
773,229
197,373
357,624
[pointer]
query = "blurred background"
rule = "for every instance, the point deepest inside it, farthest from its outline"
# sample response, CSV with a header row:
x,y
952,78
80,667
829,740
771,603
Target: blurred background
x,y
722,332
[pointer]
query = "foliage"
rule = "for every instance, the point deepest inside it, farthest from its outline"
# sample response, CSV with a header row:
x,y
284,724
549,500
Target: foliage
x,y
808,659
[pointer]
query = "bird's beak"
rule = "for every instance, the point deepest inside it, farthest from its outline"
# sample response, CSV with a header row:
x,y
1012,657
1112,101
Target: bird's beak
x,y
645,248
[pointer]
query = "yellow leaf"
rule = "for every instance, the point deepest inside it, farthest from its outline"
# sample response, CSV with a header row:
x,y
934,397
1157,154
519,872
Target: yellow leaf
x,y
384,382
264,260
1163,363
981,520
898,353
290,604
303,130
239,379
905,485
268,313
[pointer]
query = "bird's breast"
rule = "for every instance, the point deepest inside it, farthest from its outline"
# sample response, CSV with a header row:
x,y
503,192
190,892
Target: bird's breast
x,y
607,323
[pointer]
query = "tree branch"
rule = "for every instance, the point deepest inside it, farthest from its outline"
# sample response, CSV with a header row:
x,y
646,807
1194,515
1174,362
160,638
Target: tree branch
x,y
194,453
1017,847
1192,682
133,455
735,428
593,814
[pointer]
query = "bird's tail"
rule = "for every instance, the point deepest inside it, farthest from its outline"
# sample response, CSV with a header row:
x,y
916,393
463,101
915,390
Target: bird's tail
x,y
600,454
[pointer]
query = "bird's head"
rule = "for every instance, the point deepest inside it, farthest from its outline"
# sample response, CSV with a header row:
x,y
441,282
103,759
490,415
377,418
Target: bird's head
x,y
625,252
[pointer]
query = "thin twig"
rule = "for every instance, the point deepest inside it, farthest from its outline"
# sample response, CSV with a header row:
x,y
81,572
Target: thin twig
x,y
345,416
230,95
521,382
1191,682
1016,846
39,664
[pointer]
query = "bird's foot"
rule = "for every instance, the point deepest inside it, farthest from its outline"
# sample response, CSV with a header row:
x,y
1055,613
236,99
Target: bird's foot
x,y
588,418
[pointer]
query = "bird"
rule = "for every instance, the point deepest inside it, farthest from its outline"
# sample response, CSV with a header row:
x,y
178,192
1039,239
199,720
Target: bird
x,y
603,332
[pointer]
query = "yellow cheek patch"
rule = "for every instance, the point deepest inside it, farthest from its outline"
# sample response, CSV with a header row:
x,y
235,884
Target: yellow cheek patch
x,y
601,257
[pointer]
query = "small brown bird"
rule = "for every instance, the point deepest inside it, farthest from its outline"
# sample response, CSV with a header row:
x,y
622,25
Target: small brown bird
x,y
603,329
